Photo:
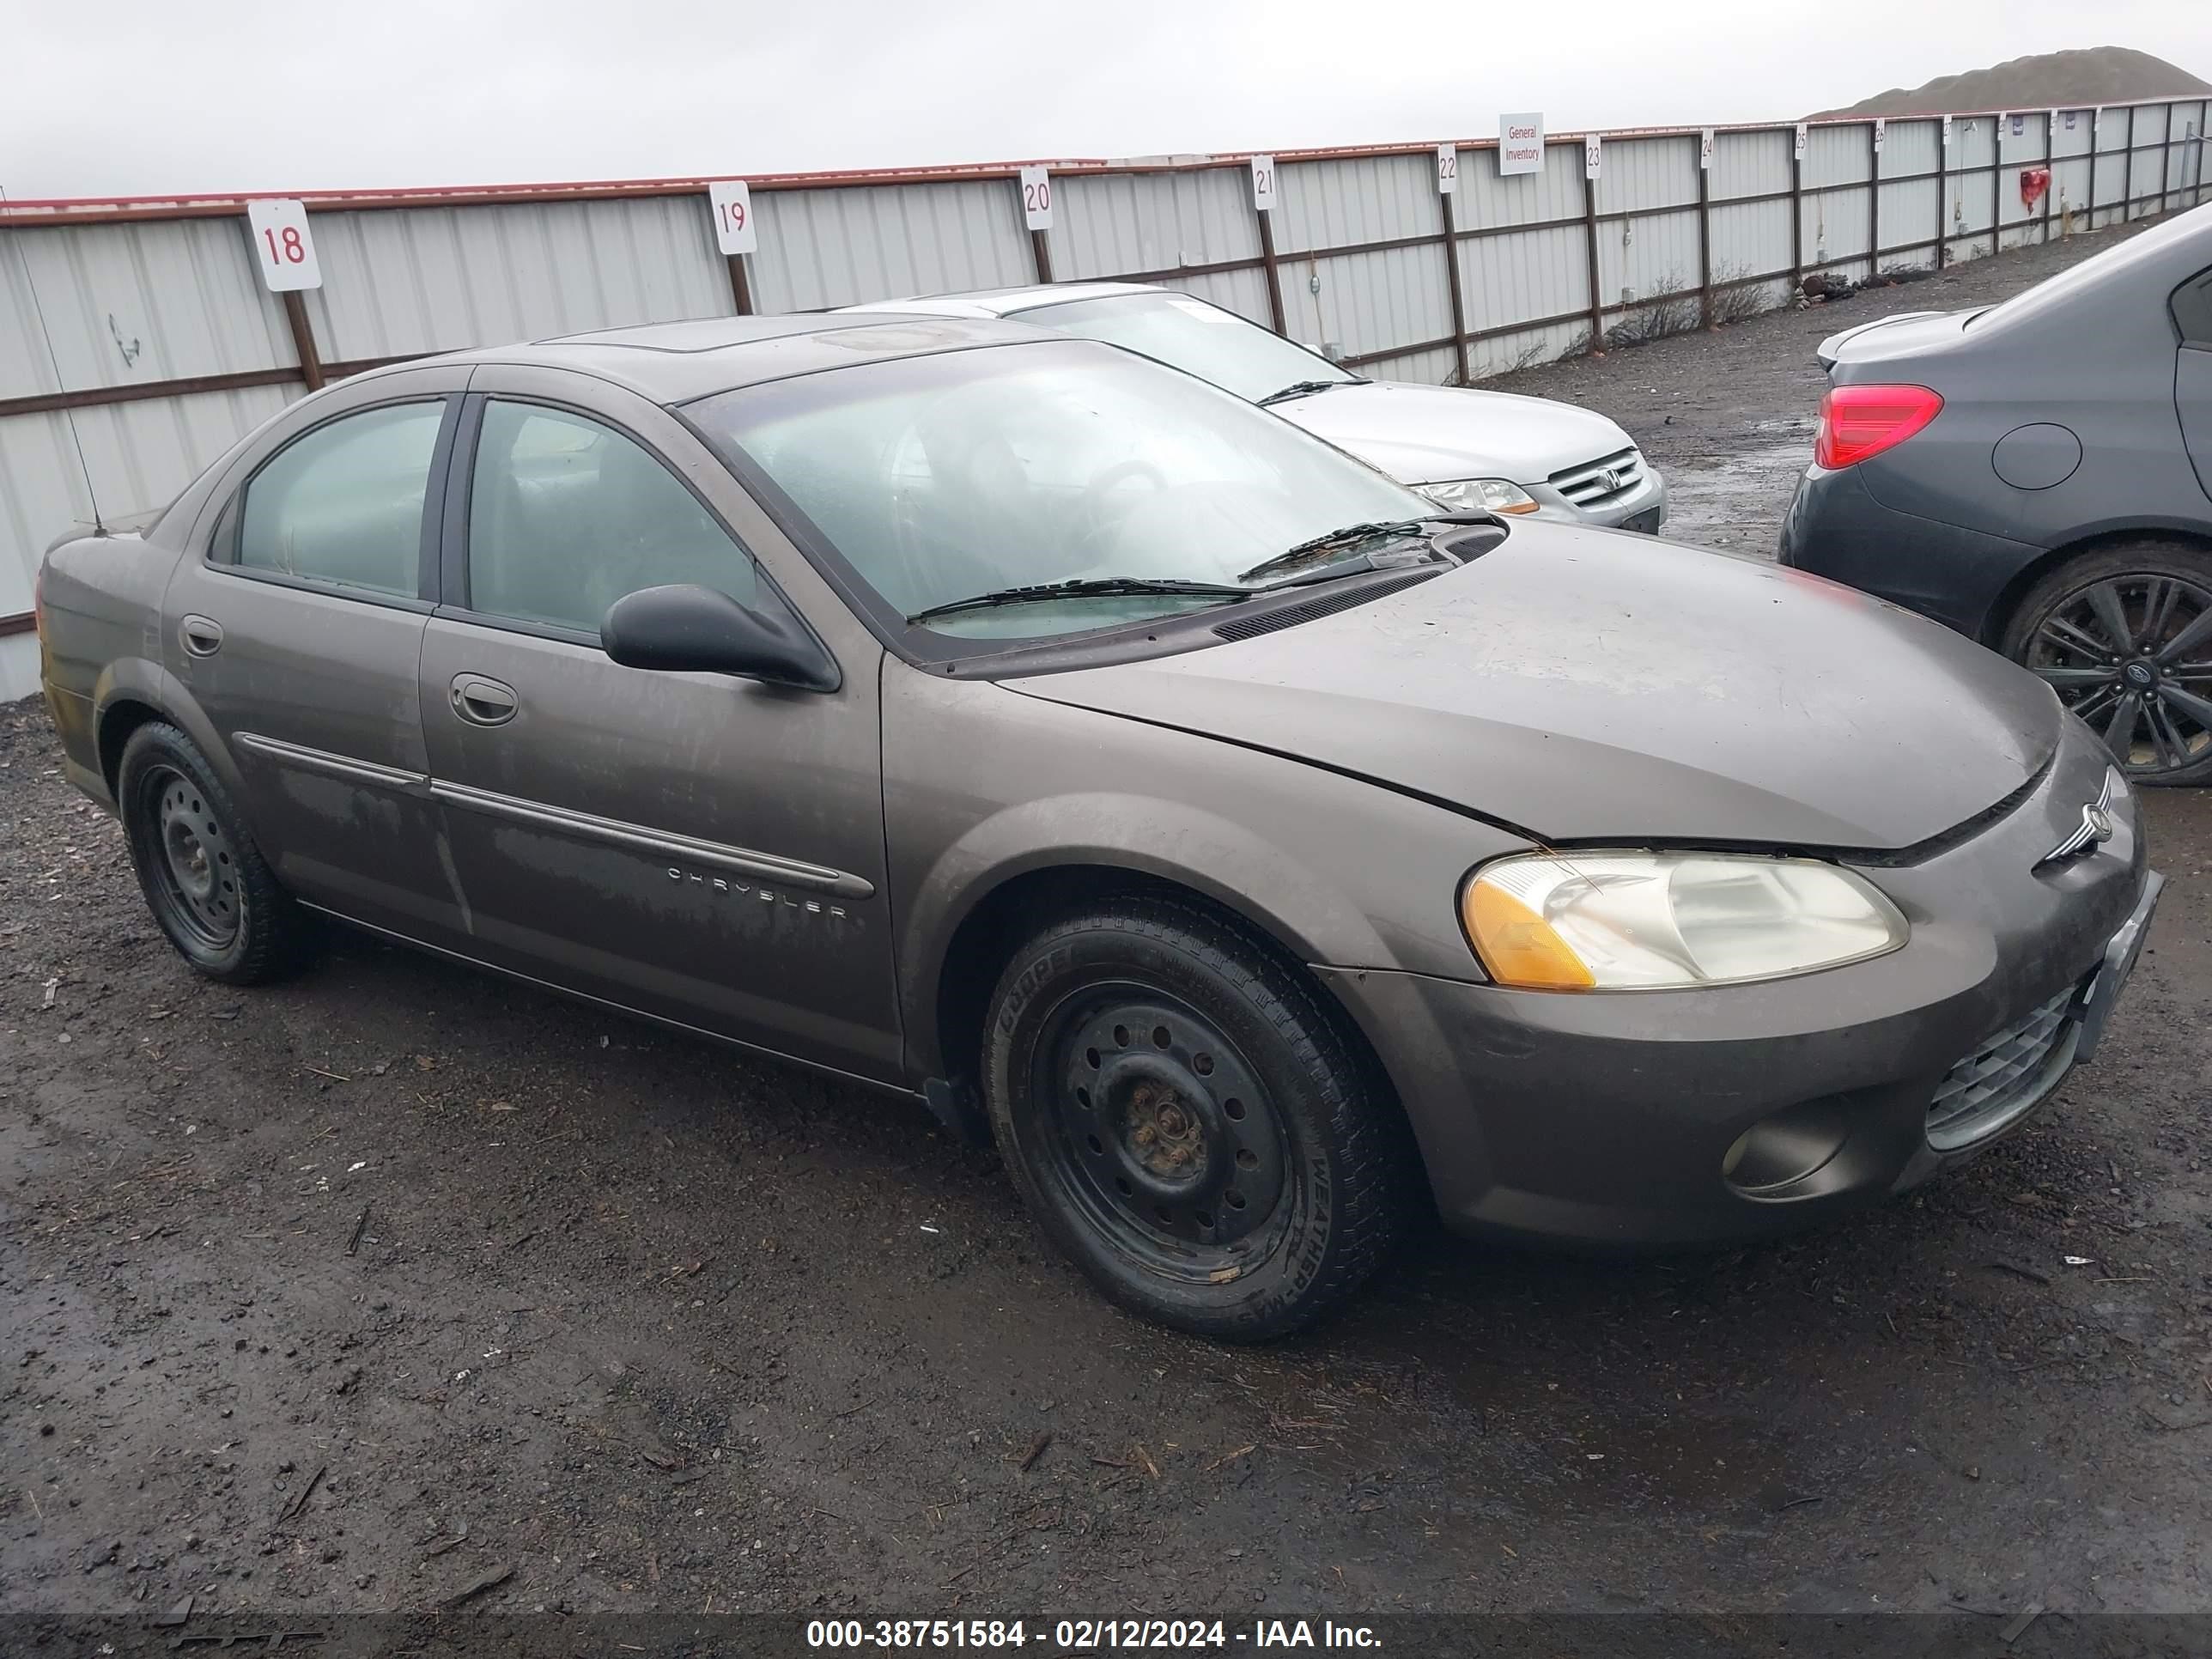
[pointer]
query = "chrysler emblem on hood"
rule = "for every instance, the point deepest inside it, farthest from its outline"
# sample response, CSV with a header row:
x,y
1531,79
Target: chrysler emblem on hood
x,y
2093,832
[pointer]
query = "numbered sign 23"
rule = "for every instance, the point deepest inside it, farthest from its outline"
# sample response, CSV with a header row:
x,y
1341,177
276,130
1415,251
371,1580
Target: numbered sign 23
x,y
1036,198
732,200
1447,168
283,246
1589,155
1263,183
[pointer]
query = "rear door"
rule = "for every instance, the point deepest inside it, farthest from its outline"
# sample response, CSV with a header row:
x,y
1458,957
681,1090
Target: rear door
x,y
704,849
2192,379
297,627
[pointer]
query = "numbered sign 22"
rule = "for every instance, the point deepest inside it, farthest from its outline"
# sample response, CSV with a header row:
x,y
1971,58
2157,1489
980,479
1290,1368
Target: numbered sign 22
x,y
1036,198
1706,147
283,246
732,200
1263,183
1447,168
1589,155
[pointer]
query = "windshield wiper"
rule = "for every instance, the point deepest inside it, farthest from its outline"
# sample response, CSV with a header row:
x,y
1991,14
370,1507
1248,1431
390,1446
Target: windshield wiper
x,y
1336,541
1302,389
1081,588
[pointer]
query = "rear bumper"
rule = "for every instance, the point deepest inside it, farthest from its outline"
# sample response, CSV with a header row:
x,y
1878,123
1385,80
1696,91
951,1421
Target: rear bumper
x,y
1837,528
1611,1120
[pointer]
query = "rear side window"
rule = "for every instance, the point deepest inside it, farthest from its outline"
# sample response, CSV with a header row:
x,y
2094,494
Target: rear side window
x,y
344,503
566,515
2192,310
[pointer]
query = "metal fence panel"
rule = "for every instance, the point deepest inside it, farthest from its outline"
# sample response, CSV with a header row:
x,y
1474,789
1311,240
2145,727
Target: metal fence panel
x,y
1650,254
1117,224
1366,302
1835,229
1501,354
836,247
1373,198
1523,277
1750,164
132,303
1488,197
1911,214
1750,239
1837,154
1644,174
1435,368
1910,146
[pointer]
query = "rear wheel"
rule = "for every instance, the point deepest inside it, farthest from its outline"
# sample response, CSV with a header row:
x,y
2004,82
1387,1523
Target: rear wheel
x,y
1187,1122
2124,635
204,879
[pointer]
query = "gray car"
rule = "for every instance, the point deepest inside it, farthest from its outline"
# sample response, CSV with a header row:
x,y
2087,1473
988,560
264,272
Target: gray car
x,y
2038,475
1462,447
1259,855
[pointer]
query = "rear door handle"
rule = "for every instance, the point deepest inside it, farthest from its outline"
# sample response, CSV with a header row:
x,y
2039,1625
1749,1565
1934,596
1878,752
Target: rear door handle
x,y
483,701
201,636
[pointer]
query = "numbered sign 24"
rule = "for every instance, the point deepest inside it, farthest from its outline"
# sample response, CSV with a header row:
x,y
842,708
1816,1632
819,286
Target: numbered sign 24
x,y
1706,147
732,200
1447,168
283,246
1263,183
1036,198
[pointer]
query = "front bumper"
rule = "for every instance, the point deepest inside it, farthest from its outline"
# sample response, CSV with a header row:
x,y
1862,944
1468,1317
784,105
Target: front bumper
x,y
1609,1119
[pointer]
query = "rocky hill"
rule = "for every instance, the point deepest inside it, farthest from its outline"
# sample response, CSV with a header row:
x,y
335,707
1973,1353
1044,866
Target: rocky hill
x,y
2050,80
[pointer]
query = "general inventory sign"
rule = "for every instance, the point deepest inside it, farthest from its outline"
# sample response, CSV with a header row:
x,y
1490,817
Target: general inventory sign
x,y
1521,143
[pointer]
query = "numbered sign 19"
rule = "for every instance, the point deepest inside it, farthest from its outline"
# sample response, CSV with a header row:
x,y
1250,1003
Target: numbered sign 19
x,y
732,200
1263,184
1447,168
1798,151
283,246
1036,198
1589,155
1706,147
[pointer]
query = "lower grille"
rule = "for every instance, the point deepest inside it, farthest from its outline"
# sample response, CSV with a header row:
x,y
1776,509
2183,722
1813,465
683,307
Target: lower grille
x,y
1596,482
2007,1075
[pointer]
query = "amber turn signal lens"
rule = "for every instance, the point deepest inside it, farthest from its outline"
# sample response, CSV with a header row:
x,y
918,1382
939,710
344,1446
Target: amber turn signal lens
x,y
1516,945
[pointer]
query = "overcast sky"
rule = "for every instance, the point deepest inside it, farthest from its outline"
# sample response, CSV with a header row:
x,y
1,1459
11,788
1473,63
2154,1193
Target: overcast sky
x,y
135,97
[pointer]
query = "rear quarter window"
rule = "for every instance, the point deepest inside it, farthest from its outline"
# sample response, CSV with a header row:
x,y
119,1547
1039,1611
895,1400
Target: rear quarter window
x,y
2192,310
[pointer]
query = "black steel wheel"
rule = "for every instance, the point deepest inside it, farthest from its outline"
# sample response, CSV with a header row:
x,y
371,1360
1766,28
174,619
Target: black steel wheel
x,y
2124,636
1188,1121
203,877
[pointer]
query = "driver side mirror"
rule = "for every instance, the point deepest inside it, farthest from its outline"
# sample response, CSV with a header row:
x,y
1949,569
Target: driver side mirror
x,y
686,628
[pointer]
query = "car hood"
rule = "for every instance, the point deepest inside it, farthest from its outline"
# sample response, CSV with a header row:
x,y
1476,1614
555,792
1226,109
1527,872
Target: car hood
x,y
1433,434
1587,685
1894,337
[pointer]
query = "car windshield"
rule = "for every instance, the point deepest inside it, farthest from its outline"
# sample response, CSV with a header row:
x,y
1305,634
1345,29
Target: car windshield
x,y
1198,338
944,477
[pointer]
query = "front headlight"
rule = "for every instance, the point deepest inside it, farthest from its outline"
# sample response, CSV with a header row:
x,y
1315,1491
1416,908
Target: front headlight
x,y
1650,921
1480,496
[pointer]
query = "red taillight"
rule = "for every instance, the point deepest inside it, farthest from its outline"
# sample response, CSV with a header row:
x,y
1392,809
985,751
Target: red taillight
x,y
1859,421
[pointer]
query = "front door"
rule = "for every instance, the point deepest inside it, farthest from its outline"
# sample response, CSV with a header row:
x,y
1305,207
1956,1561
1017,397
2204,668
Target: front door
x,y
297,626
701,848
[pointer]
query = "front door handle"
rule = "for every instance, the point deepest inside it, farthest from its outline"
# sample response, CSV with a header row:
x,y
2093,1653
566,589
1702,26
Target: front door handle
x,y
201,636
483,701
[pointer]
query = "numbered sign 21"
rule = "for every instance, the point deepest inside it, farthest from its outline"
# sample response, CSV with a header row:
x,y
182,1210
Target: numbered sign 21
x,y
732,200
283,246
1263,184
1036,198
1447,168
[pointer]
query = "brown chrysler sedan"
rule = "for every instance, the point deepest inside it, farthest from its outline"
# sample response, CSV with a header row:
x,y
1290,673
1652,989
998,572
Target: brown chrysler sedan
x,y
1257,854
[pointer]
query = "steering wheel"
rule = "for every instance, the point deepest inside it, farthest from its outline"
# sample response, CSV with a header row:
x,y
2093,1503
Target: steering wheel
x,y
1097,517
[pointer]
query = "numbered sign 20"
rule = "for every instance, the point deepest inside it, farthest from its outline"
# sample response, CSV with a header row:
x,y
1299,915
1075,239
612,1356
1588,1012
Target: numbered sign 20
x,y
1263,184
1447,168
283,246
732,200
1589,155
1036,198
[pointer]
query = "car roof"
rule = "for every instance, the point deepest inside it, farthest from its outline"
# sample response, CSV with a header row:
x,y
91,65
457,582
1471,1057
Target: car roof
x,y
1004,302
680,362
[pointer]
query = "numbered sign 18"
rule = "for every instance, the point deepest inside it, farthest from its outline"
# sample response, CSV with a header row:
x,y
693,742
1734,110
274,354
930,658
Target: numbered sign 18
x,y
1447,168
1589,155
1263,183
1706,147
283,246
1036,198
732,200
1799,151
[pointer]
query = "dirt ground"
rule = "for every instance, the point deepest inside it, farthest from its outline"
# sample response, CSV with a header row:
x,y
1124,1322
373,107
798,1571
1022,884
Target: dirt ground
x,y
351,1294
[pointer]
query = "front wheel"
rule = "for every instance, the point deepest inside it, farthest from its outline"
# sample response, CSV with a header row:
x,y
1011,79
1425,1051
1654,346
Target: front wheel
x,y
2124,635
1188,1123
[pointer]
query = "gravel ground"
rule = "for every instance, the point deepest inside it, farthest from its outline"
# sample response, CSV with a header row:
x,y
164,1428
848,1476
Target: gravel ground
x,y
354,1293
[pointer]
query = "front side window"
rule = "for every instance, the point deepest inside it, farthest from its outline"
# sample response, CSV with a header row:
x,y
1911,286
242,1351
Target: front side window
x,y
566,515
344,503
1216,345
943,477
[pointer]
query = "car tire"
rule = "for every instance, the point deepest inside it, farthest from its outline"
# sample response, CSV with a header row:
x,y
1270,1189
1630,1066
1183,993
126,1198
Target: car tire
x,y
2158,587
1188,1122
210,889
